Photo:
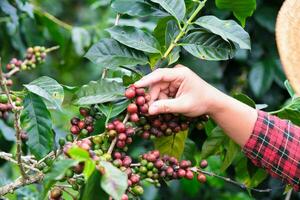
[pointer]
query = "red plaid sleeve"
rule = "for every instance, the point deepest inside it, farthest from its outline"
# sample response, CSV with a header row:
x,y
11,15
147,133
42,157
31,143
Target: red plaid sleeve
x,y
275,146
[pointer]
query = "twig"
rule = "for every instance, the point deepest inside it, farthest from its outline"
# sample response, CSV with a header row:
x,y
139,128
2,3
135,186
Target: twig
x,y
12,72
19,182
288,195
113,143
16,123
241,185
51,49
117,20
10,159
69,193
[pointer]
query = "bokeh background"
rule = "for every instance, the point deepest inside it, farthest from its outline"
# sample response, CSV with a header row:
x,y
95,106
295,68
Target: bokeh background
x,y
75,25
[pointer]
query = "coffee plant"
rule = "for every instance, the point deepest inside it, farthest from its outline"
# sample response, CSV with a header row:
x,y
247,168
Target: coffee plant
x,y
100,157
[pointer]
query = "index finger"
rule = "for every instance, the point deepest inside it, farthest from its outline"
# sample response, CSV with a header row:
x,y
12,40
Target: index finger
x,y
159,75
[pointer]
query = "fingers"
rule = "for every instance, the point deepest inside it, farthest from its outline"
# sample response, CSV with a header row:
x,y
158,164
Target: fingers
x,y
159,75
166,106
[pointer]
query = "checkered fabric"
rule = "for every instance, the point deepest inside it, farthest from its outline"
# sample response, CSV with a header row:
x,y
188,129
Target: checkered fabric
x,y
275,146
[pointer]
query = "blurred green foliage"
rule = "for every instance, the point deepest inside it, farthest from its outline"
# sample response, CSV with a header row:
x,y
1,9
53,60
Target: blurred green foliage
x,y
76,25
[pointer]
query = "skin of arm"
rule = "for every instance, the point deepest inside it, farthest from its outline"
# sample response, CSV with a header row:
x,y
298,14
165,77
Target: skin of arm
x,y
179,90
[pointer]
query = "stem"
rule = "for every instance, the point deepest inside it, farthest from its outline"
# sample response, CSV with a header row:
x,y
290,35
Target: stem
x,y
241,185
52,49
16,123
184,28
113,143
52,18
7,157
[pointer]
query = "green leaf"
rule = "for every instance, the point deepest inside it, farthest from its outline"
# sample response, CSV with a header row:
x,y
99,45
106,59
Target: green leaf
x,y
8,9
36,121
189,151
100,91
289,88
245,99
171,145
135,38
227,29
82,155
49,89
208,46
266,17
92,190
240,9
213,142
175,7
110,53
138,8
81,39
113,110
114,181
261,78
232,150
291,111
259,176
7,132
160,30
26,7
172,31
56,173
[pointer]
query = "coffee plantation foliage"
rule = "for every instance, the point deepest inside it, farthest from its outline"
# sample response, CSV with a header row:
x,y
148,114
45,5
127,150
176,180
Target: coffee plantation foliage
x,y
66,66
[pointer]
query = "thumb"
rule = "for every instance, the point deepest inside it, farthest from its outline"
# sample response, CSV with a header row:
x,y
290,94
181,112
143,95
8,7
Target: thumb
x,y
165,106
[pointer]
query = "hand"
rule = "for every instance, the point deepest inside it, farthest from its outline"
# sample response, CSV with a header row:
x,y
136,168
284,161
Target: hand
x,y
178,90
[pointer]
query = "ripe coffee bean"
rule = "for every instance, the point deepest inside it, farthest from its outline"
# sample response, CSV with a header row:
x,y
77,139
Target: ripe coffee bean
x,y
181,173
75,130
151,157
129,140
129,131
84,111
117,155
156,123
130,93
169,171
140,100
88,120
127,161
112,133
129,182
122,137
78,169
173,160
189,175
132,108
144,108
156,153
134,179
140,91
90,129
185,164
81,124
159,164
120,128
162,174
146,135
134,117
201,178
110,126
75,120
121,144
203,164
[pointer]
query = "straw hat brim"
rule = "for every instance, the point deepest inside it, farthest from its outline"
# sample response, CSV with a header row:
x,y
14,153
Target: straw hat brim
x,y
288,41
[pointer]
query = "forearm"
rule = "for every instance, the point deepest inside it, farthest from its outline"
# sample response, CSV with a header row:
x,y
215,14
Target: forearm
x,y
235,118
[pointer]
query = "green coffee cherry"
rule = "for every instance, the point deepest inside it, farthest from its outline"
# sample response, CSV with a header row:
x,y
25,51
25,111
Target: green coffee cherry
x,y
138,190
61,142
3,98
69,173
69,137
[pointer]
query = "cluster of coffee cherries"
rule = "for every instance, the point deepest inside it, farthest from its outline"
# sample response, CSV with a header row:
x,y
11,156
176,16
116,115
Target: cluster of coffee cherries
x,y
83,126
140,102
158,125
6,107
122,132
34,56
123,162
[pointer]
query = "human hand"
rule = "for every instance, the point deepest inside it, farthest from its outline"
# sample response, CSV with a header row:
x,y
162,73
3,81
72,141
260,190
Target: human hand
x,y
179,90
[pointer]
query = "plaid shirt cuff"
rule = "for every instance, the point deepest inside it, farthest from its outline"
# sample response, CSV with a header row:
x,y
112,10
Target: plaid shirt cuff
x,y
275,146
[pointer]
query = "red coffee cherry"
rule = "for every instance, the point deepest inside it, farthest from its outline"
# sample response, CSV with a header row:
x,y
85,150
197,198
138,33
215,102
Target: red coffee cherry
x,y
84,111
159,164
75,130
181,173
130,93
124,196
110,126
120,128
140,100
122,136
132,108
140,91
134,117
203,164
169,171
134,179
81,124
75,120
201,178
189,174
